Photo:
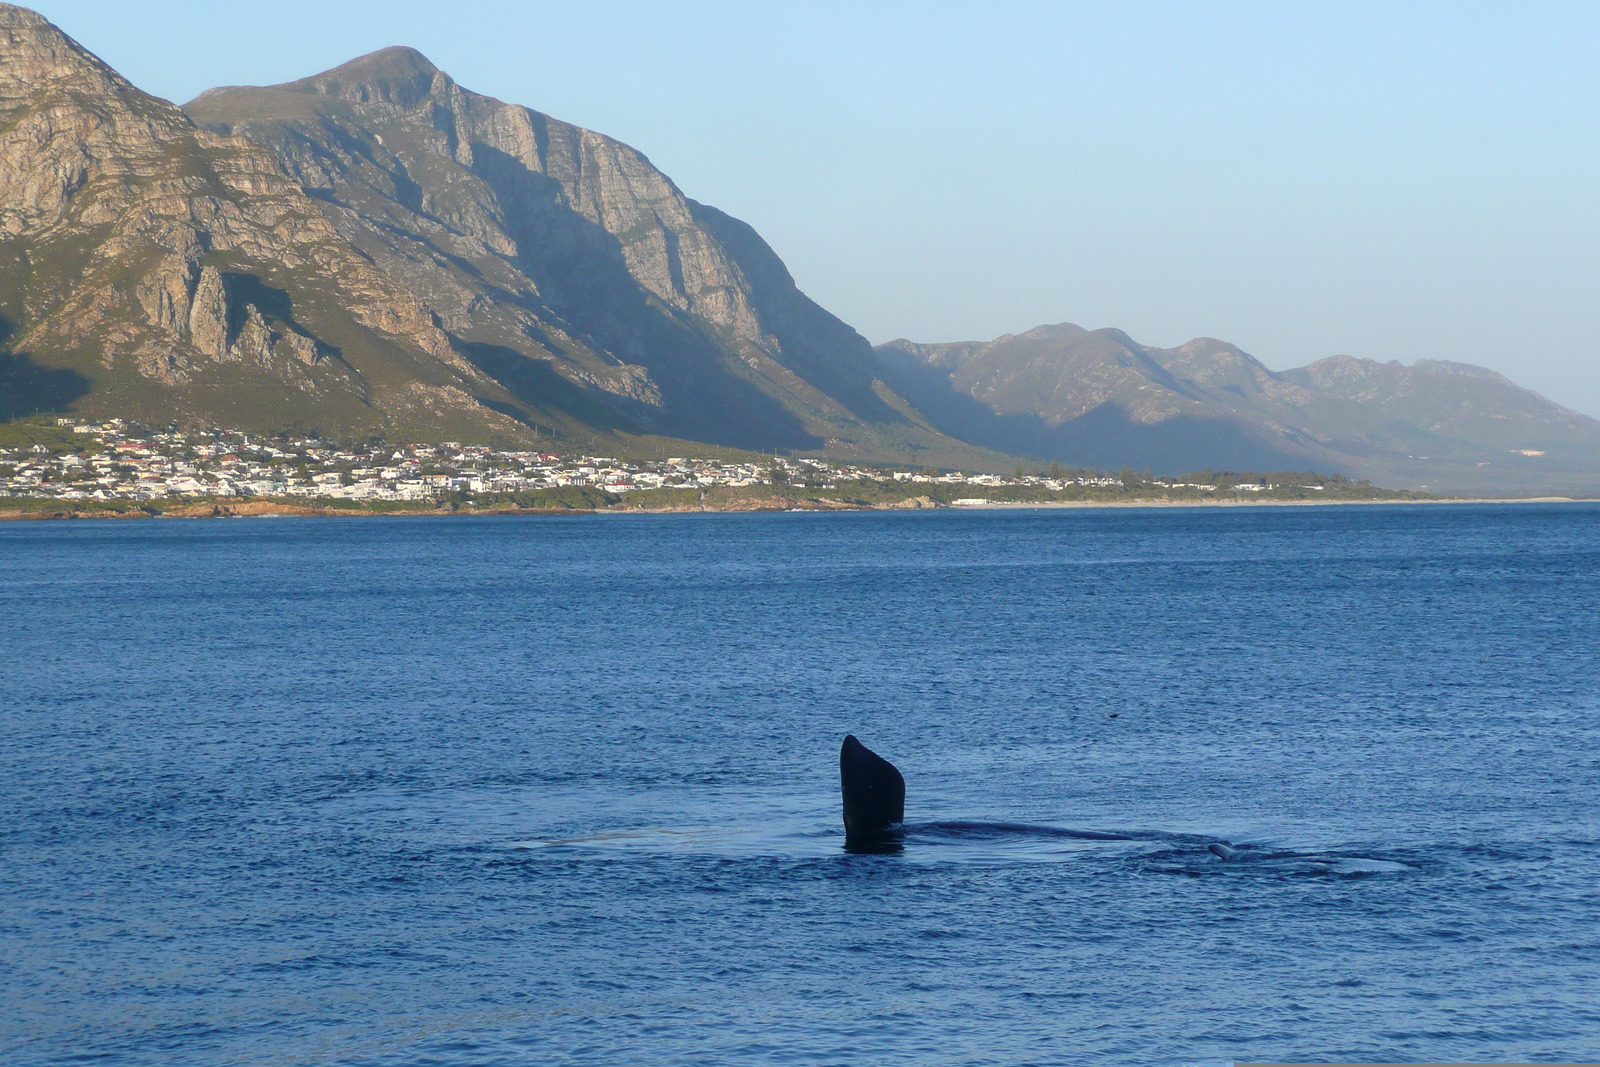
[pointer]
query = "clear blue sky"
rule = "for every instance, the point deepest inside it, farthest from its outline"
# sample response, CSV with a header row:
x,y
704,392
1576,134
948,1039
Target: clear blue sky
x,y
1388,180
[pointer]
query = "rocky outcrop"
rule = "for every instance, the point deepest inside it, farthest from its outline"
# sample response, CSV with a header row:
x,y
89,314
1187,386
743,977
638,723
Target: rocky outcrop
x,y
192,303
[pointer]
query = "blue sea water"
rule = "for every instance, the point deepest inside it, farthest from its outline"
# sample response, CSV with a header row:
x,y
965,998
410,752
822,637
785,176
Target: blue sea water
x,y
564,790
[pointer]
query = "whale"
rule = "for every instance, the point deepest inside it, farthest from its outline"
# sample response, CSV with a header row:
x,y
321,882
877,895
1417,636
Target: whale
x,y
874,796
873,792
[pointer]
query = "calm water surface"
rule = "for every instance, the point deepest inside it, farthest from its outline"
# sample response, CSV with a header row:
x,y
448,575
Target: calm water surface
x,y
564,791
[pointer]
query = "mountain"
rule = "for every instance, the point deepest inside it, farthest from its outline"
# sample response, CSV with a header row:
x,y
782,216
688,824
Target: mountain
x,y
152,269
1099,398
543,246
377,250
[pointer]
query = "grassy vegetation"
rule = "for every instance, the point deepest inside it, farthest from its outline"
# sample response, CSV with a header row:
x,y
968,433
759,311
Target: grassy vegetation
x,y
25,433
564,498
868,493
861,493
26,507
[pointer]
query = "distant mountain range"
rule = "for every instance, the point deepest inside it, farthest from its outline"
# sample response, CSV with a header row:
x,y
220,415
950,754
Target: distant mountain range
x,y
377,251
1099,398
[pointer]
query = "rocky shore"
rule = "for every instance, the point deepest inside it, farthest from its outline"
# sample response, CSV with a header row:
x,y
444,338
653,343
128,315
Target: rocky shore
x,y
256,508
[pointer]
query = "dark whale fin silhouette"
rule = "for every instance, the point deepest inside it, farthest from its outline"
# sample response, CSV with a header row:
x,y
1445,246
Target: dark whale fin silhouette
x,y
874,794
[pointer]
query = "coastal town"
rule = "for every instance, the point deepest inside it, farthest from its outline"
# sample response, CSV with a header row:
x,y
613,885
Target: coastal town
x,y
112,460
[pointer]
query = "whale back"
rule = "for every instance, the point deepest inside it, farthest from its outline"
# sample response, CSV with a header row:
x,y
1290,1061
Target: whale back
x,y
874,792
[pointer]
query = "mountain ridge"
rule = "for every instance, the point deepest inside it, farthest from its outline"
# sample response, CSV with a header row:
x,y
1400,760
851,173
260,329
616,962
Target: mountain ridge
x,y
142,252
390,253
573,226
376,250
1097,397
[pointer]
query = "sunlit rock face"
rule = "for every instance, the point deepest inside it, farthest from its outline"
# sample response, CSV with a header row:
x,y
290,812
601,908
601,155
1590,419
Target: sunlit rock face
x,y
181,272
377,248
533,238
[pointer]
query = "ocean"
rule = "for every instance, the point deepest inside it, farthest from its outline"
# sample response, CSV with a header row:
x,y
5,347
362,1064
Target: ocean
x,y
564,790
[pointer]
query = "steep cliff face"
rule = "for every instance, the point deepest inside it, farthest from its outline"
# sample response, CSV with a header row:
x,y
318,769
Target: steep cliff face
x,y
1100,398
541,244
376,249
178,272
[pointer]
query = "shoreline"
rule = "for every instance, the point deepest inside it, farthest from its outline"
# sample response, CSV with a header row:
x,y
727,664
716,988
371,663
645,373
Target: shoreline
x,y
1277,503
257,508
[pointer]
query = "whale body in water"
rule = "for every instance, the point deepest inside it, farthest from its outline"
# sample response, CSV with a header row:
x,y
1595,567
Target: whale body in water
x,y
874,794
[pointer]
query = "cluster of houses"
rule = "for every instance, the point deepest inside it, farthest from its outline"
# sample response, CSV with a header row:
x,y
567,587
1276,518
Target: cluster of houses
x,y
124,462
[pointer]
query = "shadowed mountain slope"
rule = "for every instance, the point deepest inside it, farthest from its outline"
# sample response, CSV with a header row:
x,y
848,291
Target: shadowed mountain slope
x,y
538,243
376,249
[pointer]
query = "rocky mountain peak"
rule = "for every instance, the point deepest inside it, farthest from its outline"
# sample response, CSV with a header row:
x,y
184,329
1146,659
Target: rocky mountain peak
x,y
36,57
12,15
1213,347
160,267
556,246
73,133
399,75
376,248
1211,363
1349,373
1108,334
1054,331
1465,370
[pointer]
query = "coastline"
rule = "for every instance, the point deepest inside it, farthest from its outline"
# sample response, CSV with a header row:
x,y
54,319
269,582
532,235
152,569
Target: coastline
x,y
259,508
1278,503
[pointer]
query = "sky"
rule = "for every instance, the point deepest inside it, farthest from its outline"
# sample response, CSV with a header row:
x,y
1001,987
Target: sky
x,y
1384,180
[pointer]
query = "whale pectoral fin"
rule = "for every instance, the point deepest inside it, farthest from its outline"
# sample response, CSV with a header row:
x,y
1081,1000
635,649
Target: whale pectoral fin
x,y
873,792
1223,852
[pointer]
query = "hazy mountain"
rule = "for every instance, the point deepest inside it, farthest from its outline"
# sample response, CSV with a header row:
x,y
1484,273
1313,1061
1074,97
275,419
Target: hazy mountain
x,y
1099,398
378,249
